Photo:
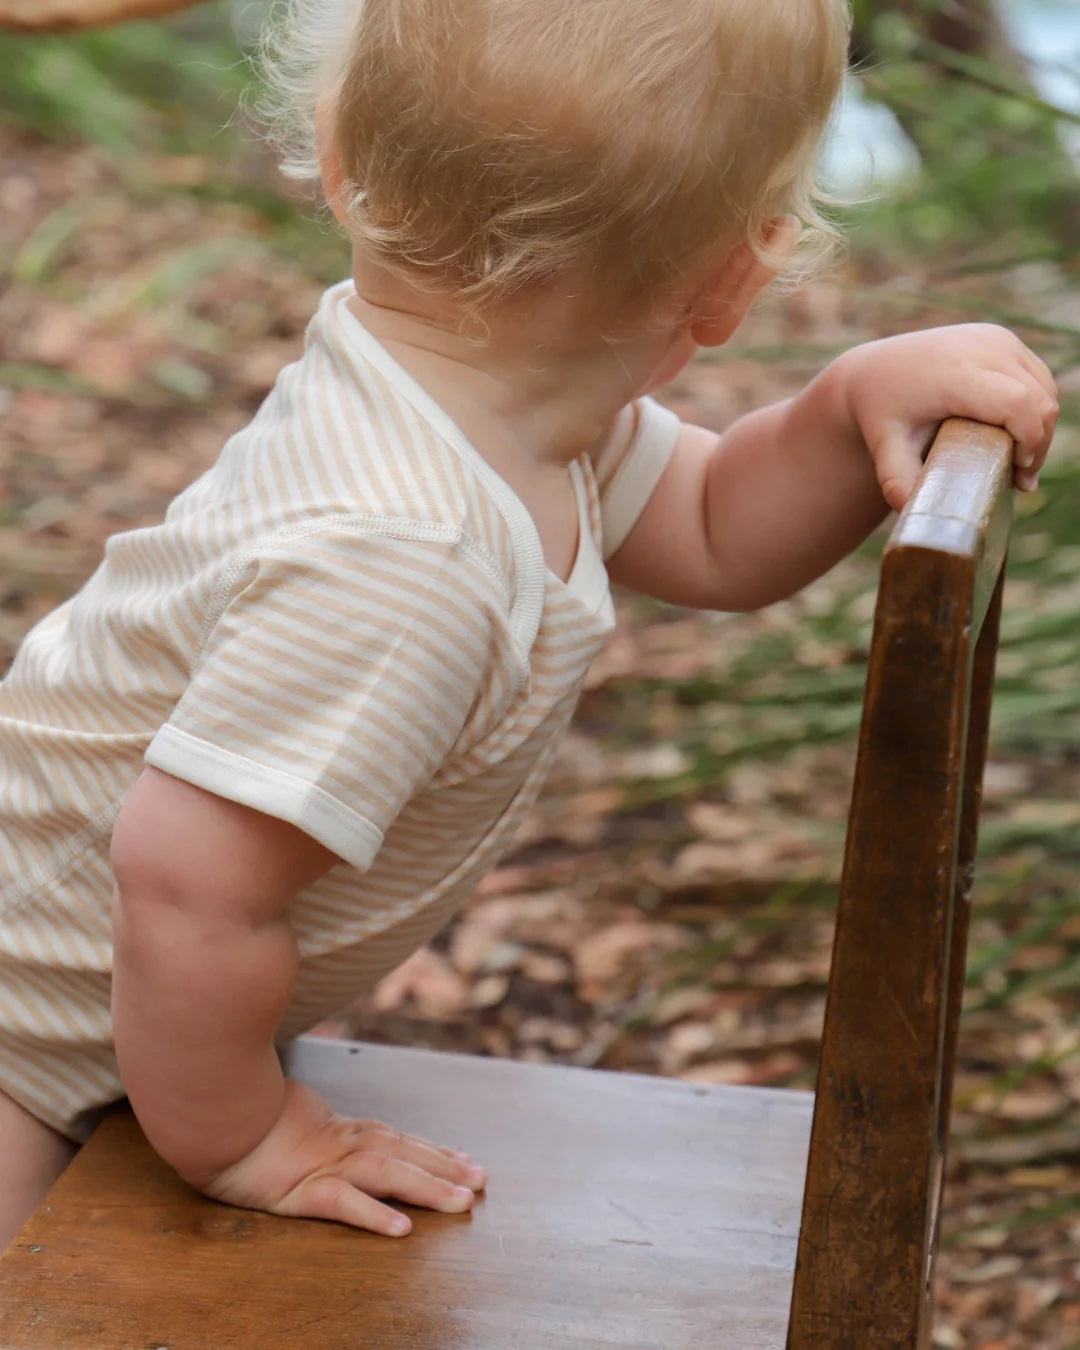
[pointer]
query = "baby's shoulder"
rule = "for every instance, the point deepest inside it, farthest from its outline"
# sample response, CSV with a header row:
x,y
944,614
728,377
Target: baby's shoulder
x,y
323,455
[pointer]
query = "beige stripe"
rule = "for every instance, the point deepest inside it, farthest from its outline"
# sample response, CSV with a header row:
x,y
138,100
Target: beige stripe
x,y
380,669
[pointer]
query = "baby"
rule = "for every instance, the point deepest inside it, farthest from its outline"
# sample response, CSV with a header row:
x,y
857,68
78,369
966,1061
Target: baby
x,y
275,741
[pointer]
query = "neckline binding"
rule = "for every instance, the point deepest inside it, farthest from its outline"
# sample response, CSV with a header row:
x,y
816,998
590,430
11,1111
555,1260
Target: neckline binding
x,y
587,580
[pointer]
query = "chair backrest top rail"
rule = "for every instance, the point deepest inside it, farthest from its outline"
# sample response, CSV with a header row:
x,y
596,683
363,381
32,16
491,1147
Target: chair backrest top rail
x,y
961,505
967,470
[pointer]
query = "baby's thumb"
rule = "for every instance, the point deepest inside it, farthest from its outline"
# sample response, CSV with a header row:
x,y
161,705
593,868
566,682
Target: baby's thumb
x,y
898,464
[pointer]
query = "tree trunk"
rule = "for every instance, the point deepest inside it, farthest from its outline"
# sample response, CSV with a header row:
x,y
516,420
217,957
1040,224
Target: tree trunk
x,y
973,29
41,15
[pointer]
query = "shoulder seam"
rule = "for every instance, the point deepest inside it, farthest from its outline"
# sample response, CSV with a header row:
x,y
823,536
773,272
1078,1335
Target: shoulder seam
x,y
397,527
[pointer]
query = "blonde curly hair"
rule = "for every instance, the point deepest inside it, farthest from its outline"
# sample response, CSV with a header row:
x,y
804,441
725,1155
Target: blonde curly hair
x,y
493,146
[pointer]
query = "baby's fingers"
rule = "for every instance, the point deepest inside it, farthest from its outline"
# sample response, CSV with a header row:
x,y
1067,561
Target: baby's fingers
x,y
331,1197
348,1195
1037,368
379,1174
1026,411
411,1148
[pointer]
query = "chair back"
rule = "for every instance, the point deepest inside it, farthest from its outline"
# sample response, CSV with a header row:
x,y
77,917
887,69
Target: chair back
x,y
874,1177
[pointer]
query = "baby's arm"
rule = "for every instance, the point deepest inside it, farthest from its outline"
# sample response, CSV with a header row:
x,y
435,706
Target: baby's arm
x,y
205,960
740,520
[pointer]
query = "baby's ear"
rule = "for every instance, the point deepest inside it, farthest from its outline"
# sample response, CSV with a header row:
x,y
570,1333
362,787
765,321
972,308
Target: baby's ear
x,y
722,303
331,170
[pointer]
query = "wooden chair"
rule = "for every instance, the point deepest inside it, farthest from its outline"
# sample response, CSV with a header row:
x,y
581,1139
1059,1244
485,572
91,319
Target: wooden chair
x,y
626,1211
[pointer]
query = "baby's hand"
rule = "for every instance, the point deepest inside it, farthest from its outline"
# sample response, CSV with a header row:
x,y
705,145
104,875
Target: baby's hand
x,y
317,1165
900,389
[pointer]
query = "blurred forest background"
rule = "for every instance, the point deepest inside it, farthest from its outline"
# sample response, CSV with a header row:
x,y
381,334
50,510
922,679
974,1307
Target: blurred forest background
x,y
668,908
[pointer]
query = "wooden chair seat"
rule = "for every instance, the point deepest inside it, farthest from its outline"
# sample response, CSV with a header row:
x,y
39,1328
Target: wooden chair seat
x,y
619,1205
629,1212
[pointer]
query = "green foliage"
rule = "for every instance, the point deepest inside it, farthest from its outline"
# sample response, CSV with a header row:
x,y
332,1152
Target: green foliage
x,y
995,168
169,87
164,102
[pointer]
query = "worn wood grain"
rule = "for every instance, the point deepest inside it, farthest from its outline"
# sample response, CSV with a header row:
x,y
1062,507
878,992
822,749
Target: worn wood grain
x,y
962,504
619,1207
876,1160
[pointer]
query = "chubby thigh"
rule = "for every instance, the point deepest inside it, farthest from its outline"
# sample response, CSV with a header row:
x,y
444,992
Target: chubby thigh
x,y
32,1156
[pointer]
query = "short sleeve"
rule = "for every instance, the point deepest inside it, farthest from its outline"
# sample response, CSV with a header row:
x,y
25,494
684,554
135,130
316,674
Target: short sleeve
x,y
337,680
629,464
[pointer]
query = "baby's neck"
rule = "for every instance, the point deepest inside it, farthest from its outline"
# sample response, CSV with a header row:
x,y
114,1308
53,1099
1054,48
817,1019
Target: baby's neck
x,y
534,396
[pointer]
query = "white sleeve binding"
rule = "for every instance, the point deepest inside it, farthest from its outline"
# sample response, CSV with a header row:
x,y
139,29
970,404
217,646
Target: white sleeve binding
x,y
639,469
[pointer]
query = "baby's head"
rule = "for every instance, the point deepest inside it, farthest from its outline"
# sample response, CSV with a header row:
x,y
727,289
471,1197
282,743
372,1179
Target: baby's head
x,y
493,149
